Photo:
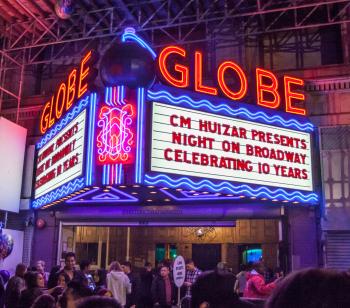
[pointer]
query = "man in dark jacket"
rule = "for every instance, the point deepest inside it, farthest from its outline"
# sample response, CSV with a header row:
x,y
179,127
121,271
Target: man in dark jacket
x,y
132,298
146,278
163,289
217,289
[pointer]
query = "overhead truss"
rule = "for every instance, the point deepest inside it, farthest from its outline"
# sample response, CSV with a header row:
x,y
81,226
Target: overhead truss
x,y
272,25
164,21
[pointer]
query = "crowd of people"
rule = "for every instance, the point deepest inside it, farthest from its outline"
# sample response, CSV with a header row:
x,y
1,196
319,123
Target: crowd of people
x,y
120,286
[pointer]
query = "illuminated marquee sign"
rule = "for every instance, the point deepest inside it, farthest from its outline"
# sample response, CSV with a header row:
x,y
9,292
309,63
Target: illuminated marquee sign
x,y
199,143
195,143
266,87
64,162
61,159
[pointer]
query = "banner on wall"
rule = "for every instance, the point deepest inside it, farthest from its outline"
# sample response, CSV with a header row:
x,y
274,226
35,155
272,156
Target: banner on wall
x,y
12,141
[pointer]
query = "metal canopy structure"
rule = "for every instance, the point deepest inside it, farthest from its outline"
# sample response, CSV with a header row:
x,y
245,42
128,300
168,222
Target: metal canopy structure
x,y
31,33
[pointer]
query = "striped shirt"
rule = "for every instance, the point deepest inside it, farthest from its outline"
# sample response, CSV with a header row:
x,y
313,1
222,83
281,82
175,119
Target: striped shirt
x,y
191,276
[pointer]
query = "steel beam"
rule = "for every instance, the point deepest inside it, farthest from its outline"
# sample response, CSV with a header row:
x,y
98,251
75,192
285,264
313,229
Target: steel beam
x,y
244,19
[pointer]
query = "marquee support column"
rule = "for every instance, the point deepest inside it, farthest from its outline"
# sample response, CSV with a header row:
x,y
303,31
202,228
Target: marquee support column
x,y
127,257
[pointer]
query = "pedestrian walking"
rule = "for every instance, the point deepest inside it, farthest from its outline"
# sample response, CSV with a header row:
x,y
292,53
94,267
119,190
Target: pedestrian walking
x,y
118,283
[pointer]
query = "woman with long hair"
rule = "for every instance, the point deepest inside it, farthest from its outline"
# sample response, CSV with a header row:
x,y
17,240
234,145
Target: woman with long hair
x,y
34,284
15,285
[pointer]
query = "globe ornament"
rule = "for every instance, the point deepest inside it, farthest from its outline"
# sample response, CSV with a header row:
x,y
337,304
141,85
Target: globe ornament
x,y
64,8
127,64
6,245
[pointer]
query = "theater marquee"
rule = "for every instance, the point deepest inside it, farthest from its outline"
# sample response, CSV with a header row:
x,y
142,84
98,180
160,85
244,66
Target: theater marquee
x,y
195,143
196,140
61,159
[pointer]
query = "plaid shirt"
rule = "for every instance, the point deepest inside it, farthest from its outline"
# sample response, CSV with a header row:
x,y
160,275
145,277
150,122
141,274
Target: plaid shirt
x,y
191,276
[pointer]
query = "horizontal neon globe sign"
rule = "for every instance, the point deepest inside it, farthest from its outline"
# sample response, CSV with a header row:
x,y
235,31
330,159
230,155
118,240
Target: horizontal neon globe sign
x,y
172,63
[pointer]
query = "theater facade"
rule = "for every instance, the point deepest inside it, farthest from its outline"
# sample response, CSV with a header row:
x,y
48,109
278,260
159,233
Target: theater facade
x,y
163,160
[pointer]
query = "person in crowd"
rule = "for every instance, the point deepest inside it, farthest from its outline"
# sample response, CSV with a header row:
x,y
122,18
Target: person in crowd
x,y
4,278
98,301
118,283
146,278
40,268
216,289
52,281
69,267
100,277
278,274
159,265
133,298
73,293
192,273
62,282
44,301
34,288
104,292
241,279
163,289
85,271
312,288
256,286
268,274
14,286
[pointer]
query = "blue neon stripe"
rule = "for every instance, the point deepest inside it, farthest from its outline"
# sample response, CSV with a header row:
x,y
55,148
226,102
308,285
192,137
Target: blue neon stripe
x,y
241,111
262,192
140,108
93,135
88,170
117,171
120,171
104,175
60,192
141,133
111,96
108,174
138,138
90,139
133,37
106,96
